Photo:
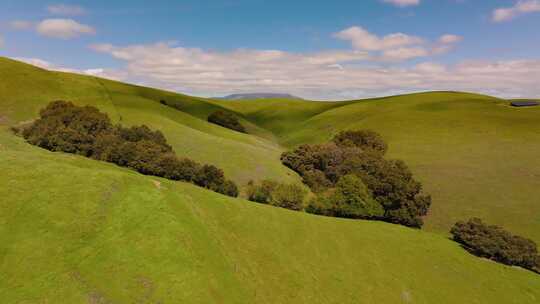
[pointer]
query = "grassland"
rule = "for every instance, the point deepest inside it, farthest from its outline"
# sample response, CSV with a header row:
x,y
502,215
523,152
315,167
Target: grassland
x,y
74,230
475,154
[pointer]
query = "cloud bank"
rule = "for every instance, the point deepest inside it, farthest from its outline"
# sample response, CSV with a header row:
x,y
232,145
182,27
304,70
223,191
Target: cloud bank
x,y
374,65
325,75
402,3
521,7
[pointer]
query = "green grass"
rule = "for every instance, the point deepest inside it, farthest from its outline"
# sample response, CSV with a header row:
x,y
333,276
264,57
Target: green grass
x,y
24,90
475,154
74,230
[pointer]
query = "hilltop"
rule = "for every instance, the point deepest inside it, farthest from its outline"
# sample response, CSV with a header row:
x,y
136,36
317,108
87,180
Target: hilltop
x,y
81,231
253,96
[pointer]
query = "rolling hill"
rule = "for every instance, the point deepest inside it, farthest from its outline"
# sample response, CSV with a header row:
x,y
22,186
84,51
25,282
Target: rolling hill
x,y
252,96
74,230
475,154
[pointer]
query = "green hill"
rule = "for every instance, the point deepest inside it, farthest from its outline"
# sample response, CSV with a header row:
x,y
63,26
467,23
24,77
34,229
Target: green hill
x,y
74,230
475,154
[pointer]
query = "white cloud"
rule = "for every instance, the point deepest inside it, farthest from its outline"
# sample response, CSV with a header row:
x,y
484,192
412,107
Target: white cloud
x,y
63,28
66,10
361,39
21,25
520,8
1,41
98,72
404,53
36,61
402,3
449,39
323,75
396,46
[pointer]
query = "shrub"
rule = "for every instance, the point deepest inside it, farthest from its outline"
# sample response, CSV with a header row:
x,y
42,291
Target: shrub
x,y
495,243
62,126
350,199
393,186
228,187
289,196
261,193
316,181
227,120
365,139
361,153
140,133
68,128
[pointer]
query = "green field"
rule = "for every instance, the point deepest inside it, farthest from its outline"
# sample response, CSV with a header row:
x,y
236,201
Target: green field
x,y
74,230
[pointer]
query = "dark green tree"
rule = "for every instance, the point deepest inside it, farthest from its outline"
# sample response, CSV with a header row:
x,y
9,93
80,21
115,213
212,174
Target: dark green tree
x,y
364,139
62,126
495,243
227,120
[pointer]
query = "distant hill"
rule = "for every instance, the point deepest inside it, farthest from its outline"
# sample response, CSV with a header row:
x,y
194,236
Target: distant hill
x,y
251,96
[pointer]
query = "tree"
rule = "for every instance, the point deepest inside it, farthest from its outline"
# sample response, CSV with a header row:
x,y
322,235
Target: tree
x,y
261,193
393,186
227,120
350,199
364,139
62,126
139,133
495,243
289,196
361,153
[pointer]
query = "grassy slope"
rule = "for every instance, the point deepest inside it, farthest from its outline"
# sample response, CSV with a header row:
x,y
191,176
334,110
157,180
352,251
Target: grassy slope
x,y
91,232
25,89
69,225
475,154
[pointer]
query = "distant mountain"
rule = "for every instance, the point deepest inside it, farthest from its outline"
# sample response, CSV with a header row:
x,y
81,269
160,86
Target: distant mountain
x,y
259,96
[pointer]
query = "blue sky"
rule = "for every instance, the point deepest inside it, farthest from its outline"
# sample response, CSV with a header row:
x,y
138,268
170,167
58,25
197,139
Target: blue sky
x,y
317,49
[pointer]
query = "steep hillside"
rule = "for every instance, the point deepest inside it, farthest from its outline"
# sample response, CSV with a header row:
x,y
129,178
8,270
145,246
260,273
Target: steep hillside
x,y
25,89
74,230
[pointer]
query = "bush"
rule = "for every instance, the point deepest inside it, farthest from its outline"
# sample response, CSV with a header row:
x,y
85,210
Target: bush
x,y
227,120
365,139
289,196
393,186
140,133
261,193
68,128
361,153
493,242
350,199
85,131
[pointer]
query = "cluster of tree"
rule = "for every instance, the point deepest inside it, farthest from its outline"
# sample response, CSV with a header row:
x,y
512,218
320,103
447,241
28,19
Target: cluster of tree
x,y
227,120
349,199
289,196
360,153
493,242
64,127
